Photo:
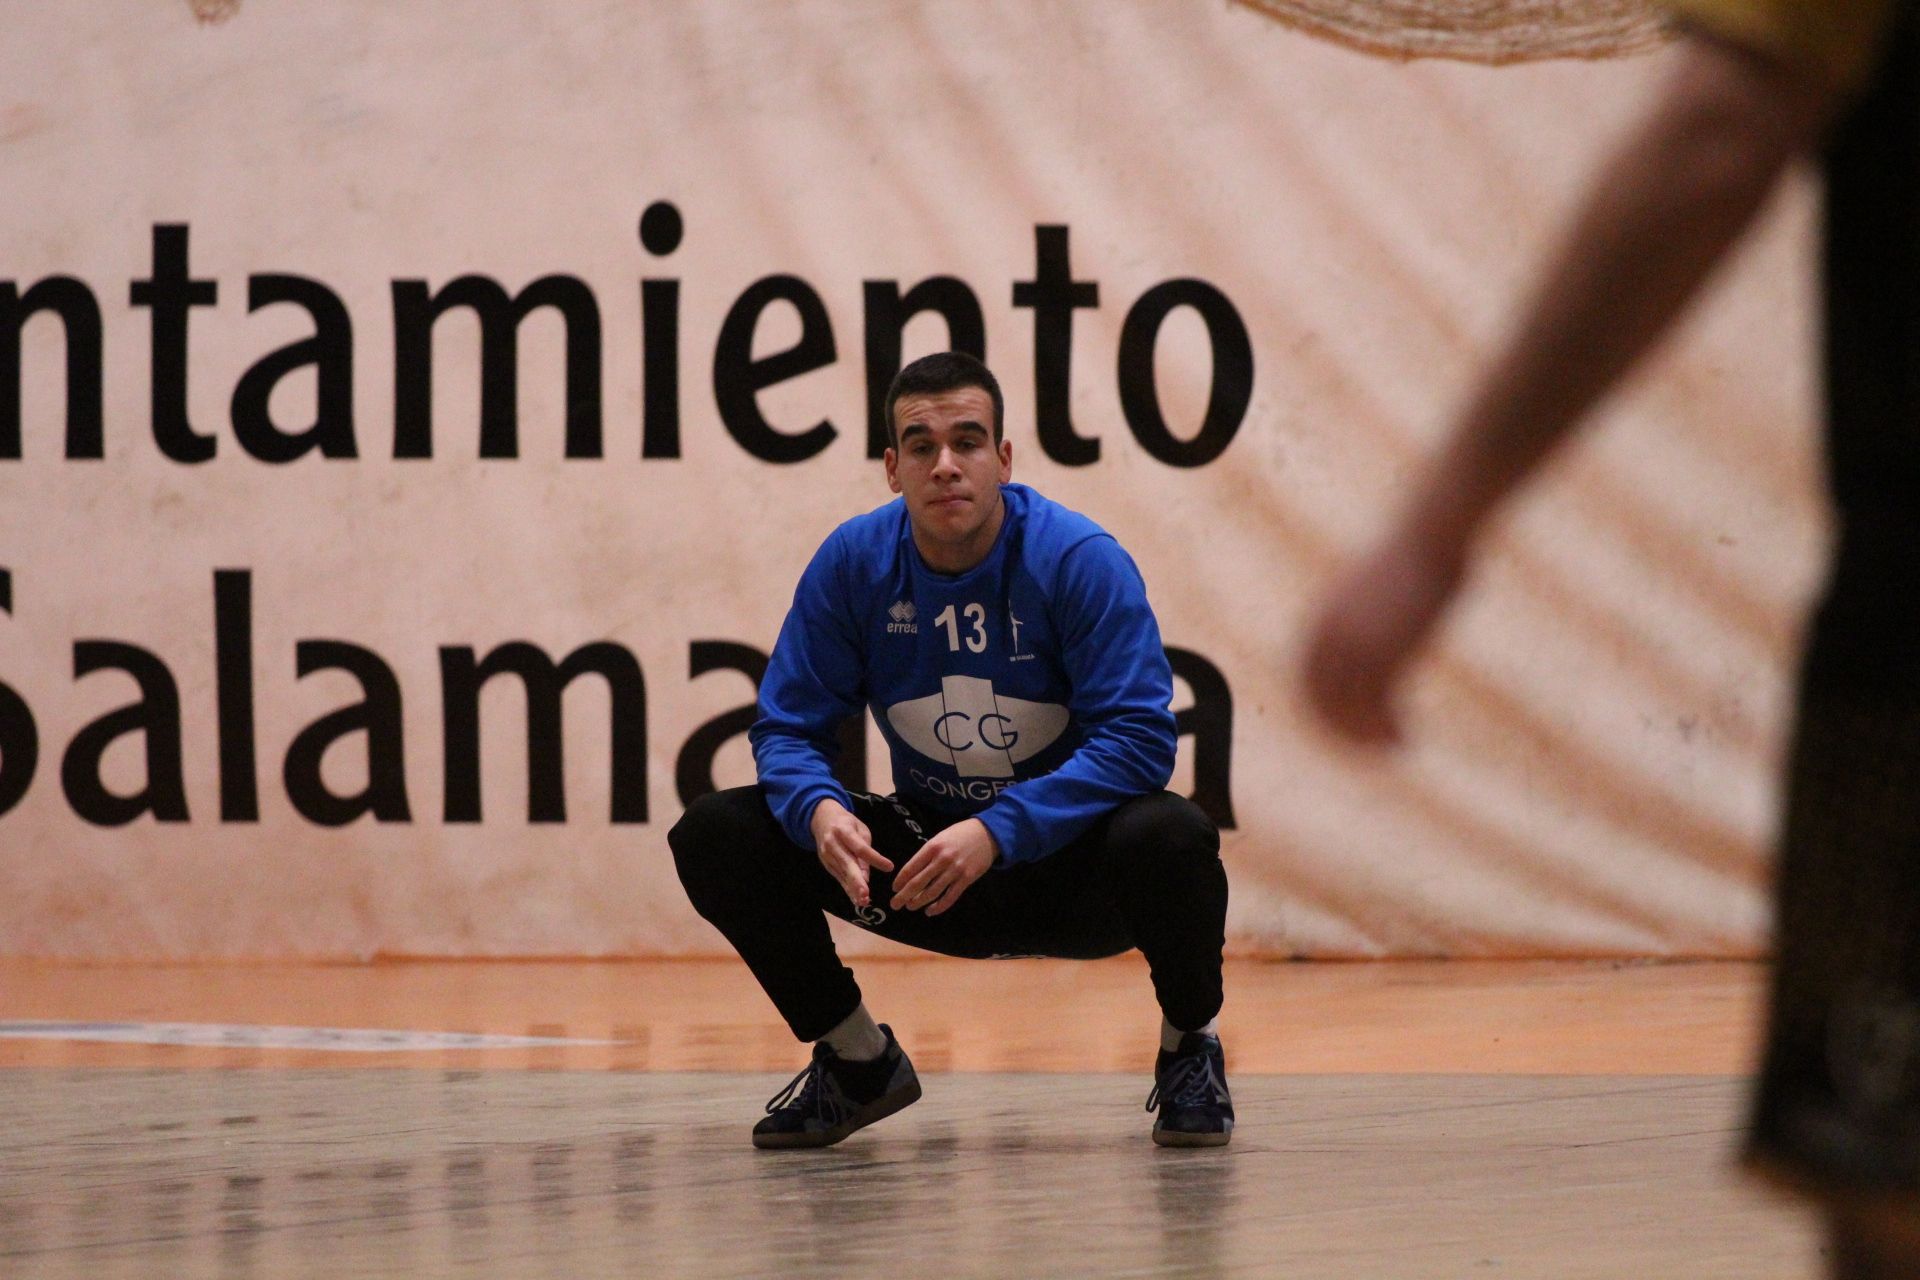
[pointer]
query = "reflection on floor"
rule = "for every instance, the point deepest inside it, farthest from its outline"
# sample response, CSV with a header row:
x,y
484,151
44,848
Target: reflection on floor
x,y
426,1173
1397,1120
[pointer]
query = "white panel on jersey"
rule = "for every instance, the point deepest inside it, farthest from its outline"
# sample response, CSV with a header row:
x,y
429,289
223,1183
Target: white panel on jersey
x,y
980,733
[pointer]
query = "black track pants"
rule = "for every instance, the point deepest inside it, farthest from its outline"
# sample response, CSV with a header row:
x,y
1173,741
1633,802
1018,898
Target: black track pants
x,y
1147,875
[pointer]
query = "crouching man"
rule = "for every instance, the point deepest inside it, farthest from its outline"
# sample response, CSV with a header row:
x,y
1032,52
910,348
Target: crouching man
x,y
1006,649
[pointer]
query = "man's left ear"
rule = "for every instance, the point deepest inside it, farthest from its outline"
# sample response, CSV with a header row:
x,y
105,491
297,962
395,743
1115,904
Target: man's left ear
x,y
1006,461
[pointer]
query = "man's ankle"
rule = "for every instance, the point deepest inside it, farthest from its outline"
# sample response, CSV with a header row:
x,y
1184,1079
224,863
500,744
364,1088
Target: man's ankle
x,y
857,1037
1170,1035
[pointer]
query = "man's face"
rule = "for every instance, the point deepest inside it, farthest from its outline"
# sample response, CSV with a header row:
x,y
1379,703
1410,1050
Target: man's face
x,y
946,466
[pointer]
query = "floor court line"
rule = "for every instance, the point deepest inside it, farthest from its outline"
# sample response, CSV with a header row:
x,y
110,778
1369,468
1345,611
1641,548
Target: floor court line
x,y
1536,1017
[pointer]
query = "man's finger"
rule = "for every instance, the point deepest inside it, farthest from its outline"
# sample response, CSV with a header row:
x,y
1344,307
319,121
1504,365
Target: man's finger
x,y
1350,685
949,897
926,893
909,891
851,875
872,857
1371,720
918,867
1361,712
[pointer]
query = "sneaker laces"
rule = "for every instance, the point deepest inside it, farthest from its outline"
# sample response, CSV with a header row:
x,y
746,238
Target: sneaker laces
x,y
1189,1082
810,1091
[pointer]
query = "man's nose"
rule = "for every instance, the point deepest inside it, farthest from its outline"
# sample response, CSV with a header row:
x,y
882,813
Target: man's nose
x,y
946,463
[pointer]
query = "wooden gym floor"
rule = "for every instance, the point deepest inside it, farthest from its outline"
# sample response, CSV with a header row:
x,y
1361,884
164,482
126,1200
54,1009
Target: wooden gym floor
x,y
1408,1119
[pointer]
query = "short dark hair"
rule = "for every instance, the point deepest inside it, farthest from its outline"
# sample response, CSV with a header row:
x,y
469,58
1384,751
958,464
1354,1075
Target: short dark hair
x,y
944,371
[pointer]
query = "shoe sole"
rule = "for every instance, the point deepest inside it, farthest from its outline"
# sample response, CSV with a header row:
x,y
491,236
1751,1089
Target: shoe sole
x,y
1174,1138
879,1109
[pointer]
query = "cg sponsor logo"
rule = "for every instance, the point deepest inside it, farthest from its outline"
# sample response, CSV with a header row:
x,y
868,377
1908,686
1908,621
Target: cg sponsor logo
x,y
996,731
979,733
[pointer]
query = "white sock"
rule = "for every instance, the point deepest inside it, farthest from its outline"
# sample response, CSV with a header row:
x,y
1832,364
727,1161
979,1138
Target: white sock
x,y
858,1038
1170,1034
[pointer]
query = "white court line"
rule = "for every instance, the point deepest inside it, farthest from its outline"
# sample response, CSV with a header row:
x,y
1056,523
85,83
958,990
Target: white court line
x,y
222,1035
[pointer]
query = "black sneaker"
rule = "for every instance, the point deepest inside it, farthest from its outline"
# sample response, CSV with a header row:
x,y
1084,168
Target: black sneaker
x,y
1190,1093
835,1096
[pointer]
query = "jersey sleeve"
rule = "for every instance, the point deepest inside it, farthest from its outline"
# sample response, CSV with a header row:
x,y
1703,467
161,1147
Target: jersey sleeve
x,y
814,681
1122,694
1837,38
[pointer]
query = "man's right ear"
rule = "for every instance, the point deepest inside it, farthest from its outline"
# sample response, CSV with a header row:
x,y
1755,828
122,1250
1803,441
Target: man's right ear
x,y
891,461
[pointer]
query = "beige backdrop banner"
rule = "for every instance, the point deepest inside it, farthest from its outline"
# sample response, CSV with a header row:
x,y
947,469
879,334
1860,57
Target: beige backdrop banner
x,y
251,589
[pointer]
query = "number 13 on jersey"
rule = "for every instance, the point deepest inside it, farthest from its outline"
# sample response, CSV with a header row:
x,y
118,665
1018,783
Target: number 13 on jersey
x,y
976,616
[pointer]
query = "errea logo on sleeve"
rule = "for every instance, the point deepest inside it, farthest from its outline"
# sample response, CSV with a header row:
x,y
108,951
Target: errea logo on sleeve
x,y
903,613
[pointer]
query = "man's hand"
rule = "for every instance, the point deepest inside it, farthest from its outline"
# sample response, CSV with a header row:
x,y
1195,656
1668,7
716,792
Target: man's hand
x,y
846,848
1666,207
1370,628
936,876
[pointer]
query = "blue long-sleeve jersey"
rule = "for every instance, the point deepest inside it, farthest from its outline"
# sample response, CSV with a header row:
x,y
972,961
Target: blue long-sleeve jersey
x,y
1031,691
